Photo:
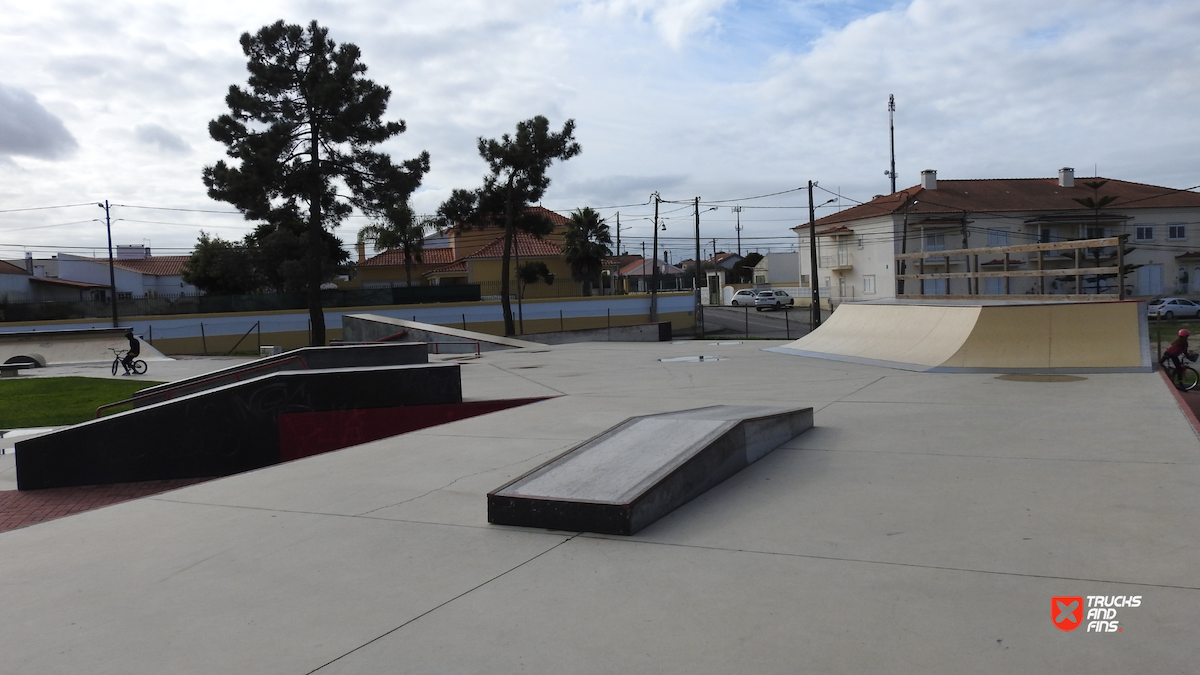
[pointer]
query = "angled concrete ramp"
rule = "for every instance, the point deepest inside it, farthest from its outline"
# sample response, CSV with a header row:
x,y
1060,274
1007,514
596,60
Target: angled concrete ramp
x,y
642,469
983,337
62,347
442,339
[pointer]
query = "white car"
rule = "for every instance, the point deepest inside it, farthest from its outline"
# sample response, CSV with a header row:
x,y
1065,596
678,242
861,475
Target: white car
x,y
744,297
772,299
1171,308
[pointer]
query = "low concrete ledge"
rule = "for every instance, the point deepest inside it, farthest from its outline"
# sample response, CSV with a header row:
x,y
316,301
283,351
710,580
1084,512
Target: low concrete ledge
x,y
642,332
642,469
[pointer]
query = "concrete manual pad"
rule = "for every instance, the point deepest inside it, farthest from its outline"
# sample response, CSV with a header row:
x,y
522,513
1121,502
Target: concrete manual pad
x,y
640,470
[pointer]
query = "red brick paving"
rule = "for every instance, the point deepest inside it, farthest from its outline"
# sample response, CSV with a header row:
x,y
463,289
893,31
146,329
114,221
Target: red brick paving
x,y
23,508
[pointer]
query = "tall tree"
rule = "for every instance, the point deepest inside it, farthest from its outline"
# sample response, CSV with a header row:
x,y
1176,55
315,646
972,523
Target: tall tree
x,y
220,267
304,127
397,228
586,246
518,179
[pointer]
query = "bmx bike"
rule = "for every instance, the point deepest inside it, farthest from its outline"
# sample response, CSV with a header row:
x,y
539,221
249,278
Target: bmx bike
x,y
138,366
1187,378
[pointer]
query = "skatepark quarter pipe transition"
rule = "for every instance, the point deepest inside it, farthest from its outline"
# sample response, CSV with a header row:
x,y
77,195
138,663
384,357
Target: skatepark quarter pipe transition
x,y
1002,337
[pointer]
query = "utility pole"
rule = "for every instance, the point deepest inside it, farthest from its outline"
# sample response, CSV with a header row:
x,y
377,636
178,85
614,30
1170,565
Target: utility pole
x,y
738,227
892,127
112,275
812,254
654,262
699,304
618,233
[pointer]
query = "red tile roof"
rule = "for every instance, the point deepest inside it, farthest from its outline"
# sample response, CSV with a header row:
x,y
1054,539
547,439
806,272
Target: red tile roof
x,y
644,268
525,245
1012,194
391,257
457,267
9,268
159,265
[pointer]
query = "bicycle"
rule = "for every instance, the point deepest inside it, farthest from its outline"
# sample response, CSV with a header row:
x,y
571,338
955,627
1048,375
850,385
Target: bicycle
x,y
1188,378
138,366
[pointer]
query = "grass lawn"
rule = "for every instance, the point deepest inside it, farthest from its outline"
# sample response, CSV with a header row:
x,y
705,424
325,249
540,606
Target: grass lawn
x,y
57,401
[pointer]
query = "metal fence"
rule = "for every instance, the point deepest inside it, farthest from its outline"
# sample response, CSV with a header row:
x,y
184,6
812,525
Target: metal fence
x,y
214,304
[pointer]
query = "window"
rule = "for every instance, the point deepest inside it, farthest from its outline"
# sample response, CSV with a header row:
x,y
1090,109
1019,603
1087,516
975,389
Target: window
x,y
1094,233
1176,231
869,284
935,286
994,286
1045,235
804,281
935,241
998,237
1145,233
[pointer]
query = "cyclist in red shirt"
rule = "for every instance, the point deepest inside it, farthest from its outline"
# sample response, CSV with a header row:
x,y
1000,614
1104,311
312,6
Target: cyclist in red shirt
x,y
1177,349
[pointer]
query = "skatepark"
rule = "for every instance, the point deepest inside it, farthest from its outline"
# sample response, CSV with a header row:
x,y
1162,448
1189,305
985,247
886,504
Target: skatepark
x,y
923,524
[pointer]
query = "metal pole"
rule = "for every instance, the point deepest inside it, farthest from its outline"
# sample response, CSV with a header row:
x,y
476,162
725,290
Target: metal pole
x,y
699,305
112,275
738,227
654,263
892,125
812,254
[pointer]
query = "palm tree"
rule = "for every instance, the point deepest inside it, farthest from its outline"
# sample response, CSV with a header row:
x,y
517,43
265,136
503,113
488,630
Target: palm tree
x,y
585,246
397,228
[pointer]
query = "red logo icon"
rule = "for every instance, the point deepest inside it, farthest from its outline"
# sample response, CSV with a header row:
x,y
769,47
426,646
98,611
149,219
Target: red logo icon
x,y
1067,612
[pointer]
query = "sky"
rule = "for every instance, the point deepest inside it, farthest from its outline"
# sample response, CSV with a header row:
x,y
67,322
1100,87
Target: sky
x,y
717,99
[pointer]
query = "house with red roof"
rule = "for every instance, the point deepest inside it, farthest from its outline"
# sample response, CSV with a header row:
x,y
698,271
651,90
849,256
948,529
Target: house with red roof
x,y
857,246
465,260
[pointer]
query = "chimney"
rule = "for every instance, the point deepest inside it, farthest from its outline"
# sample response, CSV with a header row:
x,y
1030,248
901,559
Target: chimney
x,y
29,262
1066,177
362,251
929,179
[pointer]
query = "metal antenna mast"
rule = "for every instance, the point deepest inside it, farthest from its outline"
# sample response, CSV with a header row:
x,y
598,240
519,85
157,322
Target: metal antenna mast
x,y
738,227
892,126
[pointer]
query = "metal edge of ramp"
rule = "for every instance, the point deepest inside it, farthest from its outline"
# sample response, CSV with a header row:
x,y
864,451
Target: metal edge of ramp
x,y
447,330
638,471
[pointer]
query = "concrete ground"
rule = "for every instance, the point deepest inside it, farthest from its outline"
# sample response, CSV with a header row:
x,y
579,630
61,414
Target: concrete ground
x,y
923,526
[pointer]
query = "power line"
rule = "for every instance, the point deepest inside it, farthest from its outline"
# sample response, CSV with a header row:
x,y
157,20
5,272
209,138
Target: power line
x,y
44,208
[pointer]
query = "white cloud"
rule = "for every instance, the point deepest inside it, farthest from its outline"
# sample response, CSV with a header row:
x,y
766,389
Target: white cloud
x,y
164,139
29,130
675,20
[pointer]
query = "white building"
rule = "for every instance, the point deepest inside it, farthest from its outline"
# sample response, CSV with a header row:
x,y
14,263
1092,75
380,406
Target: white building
x,y
857,246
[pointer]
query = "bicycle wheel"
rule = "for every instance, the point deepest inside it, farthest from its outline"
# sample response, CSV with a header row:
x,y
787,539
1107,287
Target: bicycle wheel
x,y
139,367
1188,378
116,364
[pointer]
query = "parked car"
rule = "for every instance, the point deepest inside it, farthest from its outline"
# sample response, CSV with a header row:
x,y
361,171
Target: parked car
x,y
744,297
1171,308
772,300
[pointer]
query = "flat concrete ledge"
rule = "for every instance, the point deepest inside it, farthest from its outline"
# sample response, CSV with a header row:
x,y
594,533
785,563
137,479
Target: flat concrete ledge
x,y
642,469
642,332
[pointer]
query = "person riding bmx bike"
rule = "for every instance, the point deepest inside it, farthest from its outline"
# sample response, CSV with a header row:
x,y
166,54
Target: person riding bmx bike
x,y
135,348
1175,353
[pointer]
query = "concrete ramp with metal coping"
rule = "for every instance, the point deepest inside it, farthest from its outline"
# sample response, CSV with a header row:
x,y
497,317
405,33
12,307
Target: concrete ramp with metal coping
x,y
442,339
1043,337
642,469
59,347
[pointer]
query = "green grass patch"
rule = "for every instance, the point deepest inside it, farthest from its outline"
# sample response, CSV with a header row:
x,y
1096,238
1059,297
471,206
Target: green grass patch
x,y
57,401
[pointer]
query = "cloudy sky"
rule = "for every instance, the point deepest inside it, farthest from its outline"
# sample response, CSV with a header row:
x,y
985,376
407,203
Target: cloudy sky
x,y
719,99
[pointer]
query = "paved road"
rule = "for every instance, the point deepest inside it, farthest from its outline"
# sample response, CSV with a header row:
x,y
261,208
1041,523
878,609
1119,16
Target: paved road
x,y
746,322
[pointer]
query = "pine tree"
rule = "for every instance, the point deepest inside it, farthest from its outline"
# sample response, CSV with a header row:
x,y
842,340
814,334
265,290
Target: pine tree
x,y
304,127
517,180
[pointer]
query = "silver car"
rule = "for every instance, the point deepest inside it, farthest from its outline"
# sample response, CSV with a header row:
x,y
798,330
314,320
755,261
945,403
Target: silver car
x,y
773,300
1171,308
